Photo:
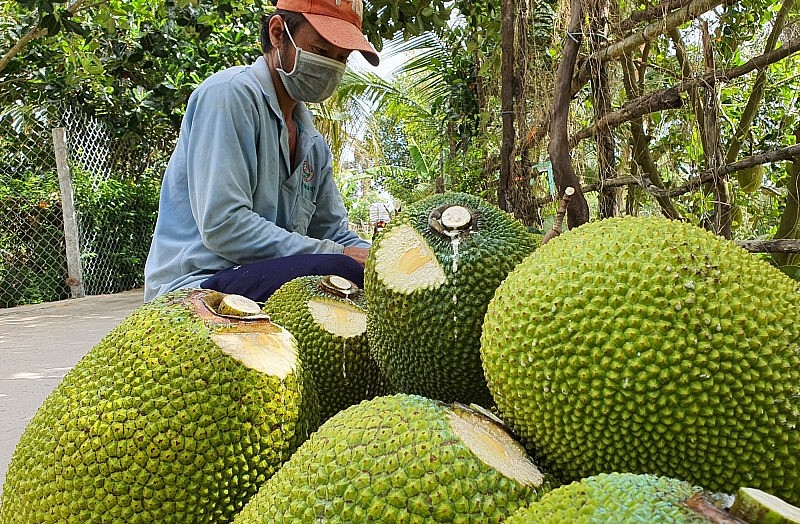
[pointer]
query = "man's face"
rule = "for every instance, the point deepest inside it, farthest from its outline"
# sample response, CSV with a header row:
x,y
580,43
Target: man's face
x,y
307,39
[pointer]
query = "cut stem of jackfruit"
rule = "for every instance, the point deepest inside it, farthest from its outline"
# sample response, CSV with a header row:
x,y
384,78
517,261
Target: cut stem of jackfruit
x,y
337,286
758,507
238,306
494,446
340,283
456,217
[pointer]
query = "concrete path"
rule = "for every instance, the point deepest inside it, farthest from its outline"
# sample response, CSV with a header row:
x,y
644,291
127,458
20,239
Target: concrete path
x,y
38,345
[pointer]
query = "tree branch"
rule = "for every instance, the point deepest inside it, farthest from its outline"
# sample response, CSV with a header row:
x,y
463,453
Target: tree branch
x,y
759,85
770,246
708,175
563,173
649,13
611,52
758,62
631,110
33,34
786,153
660,100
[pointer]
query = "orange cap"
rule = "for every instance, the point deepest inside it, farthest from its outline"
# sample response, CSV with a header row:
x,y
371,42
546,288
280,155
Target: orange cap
x,y
337,21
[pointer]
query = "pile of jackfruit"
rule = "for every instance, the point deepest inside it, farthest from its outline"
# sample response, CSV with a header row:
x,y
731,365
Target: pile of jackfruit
x,y
630,370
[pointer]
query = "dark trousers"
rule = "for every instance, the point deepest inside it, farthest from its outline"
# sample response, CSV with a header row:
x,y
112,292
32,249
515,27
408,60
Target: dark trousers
x,y
259,280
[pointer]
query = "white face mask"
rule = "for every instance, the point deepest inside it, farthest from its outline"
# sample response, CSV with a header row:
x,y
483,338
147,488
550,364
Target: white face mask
x,y
314,77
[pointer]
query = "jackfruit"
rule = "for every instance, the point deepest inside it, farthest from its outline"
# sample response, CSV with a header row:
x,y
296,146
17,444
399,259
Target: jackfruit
x,y
750,179
428,279
621,498
401,458
650,346
327,315
177,415
757,507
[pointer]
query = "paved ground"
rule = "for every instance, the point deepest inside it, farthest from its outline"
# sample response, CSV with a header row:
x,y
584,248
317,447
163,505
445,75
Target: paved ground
x,y
38,345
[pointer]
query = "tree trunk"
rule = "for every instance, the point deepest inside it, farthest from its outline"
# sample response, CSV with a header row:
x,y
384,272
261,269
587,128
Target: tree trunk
x,y
507,104
563,173
601,102
789,226
521,198
723,216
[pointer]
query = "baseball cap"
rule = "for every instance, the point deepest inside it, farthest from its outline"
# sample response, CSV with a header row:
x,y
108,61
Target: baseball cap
x,y
337,21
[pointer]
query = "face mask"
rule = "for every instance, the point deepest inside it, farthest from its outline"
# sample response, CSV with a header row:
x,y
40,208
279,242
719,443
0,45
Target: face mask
x,y
314,77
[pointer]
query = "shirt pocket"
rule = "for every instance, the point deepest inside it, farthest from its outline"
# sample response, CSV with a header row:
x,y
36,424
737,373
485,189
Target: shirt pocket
x,y
301,214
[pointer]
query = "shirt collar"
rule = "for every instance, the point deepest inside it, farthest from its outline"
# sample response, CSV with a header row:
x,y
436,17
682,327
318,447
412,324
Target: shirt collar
x,y
301,112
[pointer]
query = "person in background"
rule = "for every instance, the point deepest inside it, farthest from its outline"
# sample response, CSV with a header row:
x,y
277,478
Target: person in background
x,y
248,200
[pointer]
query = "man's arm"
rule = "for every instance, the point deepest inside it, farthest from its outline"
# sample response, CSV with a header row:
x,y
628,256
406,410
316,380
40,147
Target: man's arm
x,y
359,254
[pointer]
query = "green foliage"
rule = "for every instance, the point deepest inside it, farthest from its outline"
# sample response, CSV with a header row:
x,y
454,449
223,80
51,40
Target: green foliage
x,y
118,215
792,271
32,263
385,19
115,218
134,63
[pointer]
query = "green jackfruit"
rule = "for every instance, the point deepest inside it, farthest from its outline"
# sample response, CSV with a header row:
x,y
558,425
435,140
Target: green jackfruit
x,y
757,507
428,280
621,498
650,346
327,315
750,179
400,458
177,415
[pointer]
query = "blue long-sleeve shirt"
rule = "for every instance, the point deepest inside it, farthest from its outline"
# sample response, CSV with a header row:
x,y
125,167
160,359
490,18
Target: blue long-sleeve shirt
x,y
230,195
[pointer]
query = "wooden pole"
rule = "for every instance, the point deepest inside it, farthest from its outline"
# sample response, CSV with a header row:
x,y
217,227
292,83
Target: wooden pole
x,y
74,267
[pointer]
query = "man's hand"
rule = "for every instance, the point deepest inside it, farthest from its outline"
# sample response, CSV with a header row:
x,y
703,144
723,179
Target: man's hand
x,y
359,254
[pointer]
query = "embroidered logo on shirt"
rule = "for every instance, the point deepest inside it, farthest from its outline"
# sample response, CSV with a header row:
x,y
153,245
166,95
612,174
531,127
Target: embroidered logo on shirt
x,y
308,176
308,173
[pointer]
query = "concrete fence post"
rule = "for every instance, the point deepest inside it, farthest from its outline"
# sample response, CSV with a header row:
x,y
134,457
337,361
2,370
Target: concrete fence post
x,y
74,267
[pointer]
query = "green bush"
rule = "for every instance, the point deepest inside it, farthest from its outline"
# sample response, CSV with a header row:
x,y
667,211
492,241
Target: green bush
x,y
32,264
116,220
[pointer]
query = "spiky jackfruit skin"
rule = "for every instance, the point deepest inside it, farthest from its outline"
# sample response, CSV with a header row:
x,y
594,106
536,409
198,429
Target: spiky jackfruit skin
x,y
622,498
154,424
650,346
339,367
391,459
427,341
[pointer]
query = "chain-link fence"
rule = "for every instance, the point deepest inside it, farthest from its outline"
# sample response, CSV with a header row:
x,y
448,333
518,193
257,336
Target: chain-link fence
x,y
115,187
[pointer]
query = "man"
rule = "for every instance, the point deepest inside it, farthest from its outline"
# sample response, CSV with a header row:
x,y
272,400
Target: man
x,y
248,200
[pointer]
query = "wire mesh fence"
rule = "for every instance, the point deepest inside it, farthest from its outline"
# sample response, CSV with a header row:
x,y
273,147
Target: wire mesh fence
x,y
115,187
